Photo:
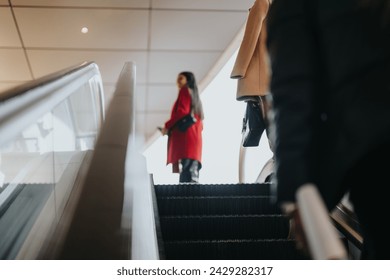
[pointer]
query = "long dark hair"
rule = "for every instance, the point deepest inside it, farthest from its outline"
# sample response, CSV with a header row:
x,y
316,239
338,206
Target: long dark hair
x,y
196,102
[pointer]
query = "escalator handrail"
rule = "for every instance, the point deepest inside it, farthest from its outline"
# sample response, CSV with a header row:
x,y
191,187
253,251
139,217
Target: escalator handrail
x,y
23,104
99,228
25,87
322,238
347,224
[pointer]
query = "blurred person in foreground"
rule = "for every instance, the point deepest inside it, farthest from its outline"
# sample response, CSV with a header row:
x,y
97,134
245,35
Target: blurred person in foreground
x,y
330,85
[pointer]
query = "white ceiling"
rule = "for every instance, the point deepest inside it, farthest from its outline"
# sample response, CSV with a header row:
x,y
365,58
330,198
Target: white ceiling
x,y
163,37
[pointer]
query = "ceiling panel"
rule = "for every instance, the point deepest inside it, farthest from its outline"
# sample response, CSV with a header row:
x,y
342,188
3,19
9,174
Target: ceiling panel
x,y
162,37
61,28
140,124
13,66
8,33
164,66
110,63
204,4
140,98
152,121
83,3
192,30
161,98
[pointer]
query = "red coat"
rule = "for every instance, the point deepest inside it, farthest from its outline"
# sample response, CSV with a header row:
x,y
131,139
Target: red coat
x,y
186,144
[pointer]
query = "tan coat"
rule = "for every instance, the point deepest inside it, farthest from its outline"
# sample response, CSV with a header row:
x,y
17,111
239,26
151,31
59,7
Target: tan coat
x,y
252,64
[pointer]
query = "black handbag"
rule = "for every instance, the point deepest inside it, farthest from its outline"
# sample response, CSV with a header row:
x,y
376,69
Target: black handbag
x,y
184,123
253,124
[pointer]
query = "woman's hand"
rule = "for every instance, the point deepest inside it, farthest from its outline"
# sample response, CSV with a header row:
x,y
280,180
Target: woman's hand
x,y
164,130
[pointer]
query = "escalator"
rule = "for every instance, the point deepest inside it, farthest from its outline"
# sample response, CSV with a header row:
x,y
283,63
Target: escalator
x,y
83,197
48,129
221,221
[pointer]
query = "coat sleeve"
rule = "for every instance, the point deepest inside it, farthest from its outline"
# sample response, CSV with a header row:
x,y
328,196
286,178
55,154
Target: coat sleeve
x,y
253,27
294,88
181,107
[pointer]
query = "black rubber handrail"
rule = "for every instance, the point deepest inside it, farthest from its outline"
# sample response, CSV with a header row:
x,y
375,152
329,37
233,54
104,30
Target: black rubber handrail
x,y
348,225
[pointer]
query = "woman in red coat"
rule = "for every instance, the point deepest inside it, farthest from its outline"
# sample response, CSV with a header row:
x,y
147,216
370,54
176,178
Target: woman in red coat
x,y
185,147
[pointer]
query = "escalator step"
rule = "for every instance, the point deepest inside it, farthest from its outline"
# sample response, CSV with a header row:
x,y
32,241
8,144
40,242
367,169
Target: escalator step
x,y
212,190
235,205
277,249
224,227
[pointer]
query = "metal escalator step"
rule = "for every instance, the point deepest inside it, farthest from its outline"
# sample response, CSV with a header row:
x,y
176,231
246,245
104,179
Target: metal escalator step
x,y
212,190
276,249
224,227
231,205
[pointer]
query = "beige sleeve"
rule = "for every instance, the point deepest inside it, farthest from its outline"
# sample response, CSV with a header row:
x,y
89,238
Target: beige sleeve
x,y
253,27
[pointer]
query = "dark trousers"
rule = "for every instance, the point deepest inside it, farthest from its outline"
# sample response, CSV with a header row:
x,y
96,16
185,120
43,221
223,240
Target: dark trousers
x,y
189,170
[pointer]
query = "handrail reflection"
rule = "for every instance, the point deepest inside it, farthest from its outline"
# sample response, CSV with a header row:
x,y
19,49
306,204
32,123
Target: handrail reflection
x,y
22,105
47,126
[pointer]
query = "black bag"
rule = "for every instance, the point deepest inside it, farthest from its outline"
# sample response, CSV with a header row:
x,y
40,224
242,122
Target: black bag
x,y
184,123
253,124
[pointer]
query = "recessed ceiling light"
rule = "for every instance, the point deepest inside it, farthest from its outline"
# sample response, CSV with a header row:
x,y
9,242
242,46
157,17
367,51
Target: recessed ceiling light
x,y
84,30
